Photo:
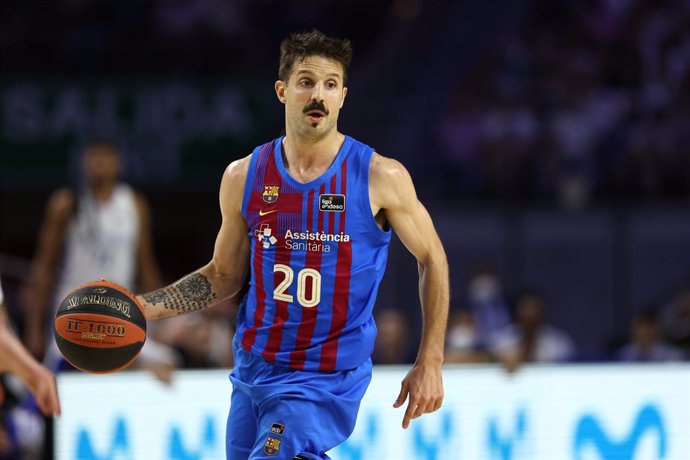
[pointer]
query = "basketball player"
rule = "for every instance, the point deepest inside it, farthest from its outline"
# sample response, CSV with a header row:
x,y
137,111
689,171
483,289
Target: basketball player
x,y
100,228
310,216
16,359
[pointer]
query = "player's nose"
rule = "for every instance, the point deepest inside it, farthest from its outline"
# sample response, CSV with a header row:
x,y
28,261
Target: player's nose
x,y
317,92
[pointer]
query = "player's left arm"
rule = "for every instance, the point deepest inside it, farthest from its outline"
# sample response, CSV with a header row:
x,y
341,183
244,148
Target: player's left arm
x,y
393,198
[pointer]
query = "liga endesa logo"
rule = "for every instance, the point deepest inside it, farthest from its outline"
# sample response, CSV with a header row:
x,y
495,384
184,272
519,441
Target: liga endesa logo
x,y
332,203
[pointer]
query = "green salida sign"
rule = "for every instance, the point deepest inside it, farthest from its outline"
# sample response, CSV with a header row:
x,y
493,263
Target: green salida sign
x,y
169,132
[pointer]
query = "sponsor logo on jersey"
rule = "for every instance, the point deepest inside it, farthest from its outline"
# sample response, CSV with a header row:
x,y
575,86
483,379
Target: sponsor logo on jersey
x,y
264,235
332,203
263,213
277,428
301,241
317,236
271,193
272,446
314,241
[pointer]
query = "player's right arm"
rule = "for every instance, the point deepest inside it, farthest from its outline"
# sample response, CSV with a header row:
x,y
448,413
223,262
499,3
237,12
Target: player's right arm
x,y
224,275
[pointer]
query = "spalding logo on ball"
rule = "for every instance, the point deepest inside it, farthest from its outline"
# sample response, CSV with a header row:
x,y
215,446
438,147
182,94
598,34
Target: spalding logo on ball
x,y
100,327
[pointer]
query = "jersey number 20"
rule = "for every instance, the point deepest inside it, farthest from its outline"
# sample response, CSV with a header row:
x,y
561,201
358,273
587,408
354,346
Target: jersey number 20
x,y
306,299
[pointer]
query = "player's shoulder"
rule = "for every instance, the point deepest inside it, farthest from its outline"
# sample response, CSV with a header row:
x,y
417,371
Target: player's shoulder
x,y
237,170
389,182
140,202
62,202
386,171
233,182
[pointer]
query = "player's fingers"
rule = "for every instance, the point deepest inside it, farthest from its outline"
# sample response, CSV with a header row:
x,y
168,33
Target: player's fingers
x,y
409,412
402,396
43,403
437,404
419,411
47,397
428,407
55,398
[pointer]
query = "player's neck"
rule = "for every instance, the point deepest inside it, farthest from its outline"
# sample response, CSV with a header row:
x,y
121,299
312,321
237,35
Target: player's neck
x,y
306,157
102,192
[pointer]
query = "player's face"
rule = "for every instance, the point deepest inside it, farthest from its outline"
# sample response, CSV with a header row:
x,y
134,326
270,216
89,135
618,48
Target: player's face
x,y
101,165
313,96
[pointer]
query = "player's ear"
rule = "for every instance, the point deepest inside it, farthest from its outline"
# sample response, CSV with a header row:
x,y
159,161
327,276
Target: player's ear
x,y
342,101
280,90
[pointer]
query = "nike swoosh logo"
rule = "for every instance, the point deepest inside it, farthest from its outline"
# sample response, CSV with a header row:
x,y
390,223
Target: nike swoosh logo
x,y
263,213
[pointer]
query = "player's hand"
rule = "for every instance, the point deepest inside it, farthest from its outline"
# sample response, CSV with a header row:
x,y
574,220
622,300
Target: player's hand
x,y
42,385
424,387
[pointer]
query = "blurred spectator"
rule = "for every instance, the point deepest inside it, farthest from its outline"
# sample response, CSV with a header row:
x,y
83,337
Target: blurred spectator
x,y
530,339
646,343
460,136
393,339
462,345
487,303
676,320
202,339
100,228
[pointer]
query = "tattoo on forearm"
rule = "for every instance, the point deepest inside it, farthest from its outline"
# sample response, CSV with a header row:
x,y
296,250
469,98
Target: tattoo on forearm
x,y
191,293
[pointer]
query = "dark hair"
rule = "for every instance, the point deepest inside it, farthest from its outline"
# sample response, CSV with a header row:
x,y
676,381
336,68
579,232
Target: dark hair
x,y
648,315
530,294
103,142
301,46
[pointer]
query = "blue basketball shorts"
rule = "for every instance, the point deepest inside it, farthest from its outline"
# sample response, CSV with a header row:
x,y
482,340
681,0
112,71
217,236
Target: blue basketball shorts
x,y
277,412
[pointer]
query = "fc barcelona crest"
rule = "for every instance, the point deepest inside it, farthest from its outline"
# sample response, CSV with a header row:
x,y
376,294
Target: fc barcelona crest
x,y
272,446
270,194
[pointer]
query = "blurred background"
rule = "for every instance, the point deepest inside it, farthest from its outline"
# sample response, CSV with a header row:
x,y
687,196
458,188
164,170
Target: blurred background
x,y
550,141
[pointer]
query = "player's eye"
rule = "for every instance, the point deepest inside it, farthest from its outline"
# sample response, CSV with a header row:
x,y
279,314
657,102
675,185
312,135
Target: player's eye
x,y
305,83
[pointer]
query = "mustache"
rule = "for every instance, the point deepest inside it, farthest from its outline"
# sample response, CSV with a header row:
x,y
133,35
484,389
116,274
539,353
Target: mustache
x,y
315,106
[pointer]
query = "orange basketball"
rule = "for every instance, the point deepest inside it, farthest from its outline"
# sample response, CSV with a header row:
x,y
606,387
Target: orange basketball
x,y
100,327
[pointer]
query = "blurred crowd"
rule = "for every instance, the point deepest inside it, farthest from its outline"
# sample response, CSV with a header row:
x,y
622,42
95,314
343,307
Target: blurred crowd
x,y
588,100
487,325
206,38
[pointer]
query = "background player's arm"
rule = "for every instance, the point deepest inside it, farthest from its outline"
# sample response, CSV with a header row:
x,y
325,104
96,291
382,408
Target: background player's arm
x,y
16,359
394,199
224,275
148,271
50,245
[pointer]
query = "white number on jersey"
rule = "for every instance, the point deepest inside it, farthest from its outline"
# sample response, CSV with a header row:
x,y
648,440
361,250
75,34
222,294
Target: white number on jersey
x,y
306,299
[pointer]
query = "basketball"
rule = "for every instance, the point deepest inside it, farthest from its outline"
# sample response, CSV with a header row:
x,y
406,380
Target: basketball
x,y
100,327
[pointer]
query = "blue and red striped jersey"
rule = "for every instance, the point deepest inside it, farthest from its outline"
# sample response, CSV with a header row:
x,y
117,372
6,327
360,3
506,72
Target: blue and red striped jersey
x,y
317,258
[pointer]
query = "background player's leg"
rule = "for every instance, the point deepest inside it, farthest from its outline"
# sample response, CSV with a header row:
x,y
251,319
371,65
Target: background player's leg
x,y
241,428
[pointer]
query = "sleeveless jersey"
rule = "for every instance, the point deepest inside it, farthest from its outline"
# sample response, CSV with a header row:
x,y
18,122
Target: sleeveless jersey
x,y
101,242
317,258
